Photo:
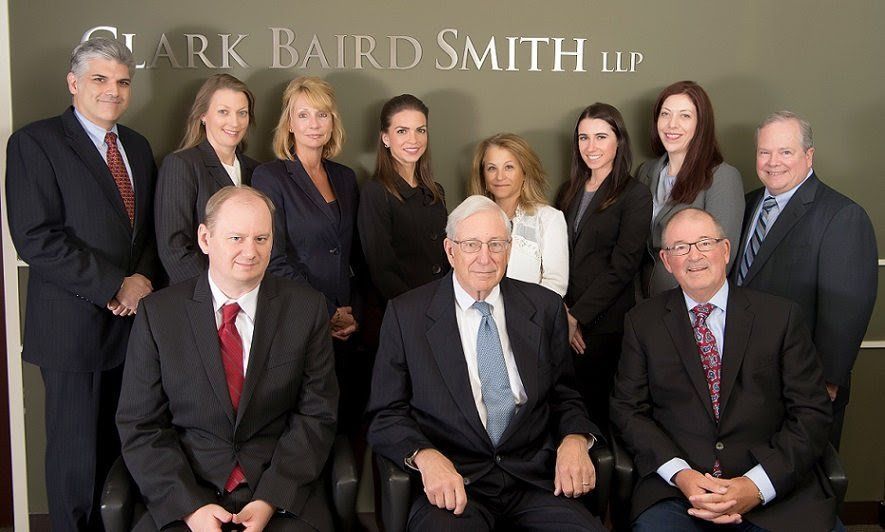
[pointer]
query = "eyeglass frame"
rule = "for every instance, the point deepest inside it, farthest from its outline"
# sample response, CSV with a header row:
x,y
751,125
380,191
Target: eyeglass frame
x,y
715,240
461,243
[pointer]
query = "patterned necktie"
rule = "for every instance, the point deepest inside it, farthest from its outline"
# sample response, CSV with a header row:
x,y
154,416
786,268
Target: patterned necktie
x,y
758,235
496,393
121,177
232,359
710,360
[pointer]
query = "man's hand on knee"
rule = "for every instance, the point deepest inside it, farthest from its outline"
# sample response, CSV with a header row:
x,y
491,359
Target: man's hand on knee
x,y
575,474
443,485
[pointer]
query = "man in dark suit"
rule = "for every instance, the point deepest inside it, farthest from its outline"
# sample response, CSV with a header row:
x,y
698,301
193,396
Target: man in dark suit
x,y
229,394
483,406
804,241
720,397
79,189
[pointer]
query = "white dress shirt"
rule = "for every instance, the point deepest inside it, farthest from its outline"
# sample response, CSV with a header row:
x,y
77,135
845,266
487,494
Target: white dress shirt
x,y
233,170
245,321
716,324
97,134
539,252
469,320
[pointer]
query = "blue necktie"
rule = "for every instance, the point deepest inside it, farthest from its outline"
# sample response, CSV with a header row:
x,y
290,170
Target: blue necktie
x,y
496,392
758,236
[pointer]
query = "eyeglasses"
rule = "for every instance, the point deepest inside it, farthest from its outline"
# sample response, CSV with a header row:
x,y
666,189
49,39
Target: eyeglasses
x,y
703,245
473,246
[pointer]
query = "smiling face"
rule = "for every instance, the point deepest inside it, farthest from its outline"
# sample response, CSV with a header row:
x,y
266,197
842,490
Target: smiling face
x,y
101,94
311,127
781,163
502,174
406,136
478,273
700,275
227,119
238,244
598,145
677,122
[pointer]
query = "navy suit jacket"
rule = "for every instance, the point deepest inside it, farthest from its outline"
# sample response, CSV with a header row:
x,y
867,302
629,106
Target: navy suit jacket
x,y
309,244
187,180
821,253
68,222
421,395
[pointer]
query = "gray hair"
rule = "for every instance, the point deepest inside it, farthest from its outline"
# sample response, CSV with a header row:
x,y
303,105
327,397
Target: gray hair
x,y
100,48
783,116
692,212
213,206
470,206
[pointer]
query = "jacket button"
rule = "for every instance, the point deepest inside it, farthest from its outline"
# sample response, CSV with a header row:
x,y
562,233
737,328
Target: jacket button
x,y
720,446
334,251
436,269
433,236
236,447
498,458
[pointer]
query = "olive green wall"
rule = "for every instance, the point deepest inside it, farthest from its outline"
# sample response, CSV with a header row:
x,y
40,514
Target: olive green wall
x,y
821,59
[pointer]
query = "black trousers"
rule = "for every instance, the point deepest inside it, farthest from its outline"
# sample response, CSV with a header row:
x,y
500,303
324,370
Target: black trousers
x,y
81,444
595,373
499,501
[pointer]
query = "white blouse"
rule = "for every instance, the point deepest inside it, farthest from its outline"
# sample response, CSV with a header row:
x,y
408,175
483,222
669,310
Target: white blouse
x,y
539,253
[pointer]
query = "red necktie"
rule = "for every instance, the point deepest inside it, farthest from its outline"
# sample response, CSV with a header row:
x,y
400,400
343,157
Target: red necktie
x,y
232,359
121,177
711,361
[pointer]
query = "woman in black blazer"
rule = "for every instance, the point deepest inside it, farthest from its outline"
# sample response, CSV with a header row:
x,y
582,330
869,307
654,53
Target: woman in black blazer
x,y
209,158
315,237
608,215
402,216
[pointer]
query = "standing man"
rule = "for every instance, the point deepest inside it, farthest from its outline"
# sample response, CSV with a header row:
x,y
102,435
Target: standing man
x,y
804,241
473,390
719,396
229,396
79,189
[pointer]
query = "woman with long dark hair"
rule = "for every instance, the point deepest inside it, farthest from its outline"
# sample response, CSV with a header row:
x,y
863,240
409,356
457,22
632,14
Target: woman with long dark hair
x,y
402,215
689,172
608,214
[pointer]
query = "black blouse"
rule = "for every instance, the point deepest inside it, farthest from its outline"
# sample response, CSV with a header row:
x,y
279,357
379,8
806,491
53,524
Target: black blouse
x,y
402,240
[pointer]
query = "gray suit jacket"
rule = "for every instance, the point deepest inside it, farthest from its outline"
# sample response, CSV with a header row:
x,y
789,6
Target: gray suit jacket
x,y
180,435
724,200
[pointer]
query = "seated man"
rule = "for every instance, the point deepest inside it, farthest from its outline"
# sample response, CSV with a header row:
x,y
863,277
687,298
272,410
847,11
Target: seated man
x,y
229,394
473,389
720,396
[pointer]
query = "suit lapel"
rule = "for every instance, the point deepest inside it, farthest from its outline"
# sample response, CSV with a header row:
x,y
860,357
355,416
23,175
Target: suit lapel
x,y
793,212
213,164
82,145
444,340
677,322
266,321
584,222
202,320
302,179
525,341
738,327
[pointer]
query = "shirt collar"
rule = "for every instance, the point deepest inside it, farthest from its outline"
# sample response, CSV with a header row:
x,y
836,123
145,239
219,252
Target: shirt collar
x,y
95,132
248,302
784,197
465,300
719,299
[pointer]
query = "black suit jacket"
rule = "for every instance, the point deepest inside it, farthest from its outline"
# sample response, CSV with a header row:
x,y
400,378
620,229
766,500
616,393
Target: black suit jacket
x,y
181,438
68,222
605,255
187,180
821,253
421,395
310,243
774,409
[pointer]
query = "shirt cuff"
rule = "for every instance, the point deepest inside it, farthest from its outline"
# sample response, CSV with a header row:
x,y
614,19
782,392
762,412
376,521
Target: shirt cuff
x,y
670,468
763,483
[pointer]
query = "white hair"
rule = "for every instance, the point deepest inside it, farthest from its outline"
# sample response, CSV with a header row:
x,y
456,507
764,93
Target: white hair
x,y
470,206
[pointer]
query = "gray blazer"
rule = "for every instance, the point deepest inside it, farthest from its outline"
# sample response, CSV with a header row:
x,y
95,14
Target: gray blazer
x,y
724,200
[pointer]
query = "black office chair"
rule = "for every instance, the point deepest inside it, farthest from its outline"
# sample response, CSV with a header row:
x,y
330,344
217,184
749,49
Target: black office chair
x,y
396,489
121,504
625,477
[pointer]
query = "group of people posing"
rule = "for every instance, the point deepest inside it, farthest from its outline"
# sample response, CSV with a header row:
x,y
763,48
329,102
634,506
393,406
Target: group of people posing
x,y
385,314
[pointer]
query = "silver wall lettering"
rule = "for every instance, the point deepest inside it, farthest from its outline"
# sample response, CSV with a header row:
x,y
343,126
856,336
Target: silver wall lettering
x,y
360,52
447,48
491,51
278,46
394,51
192,52
163,50
578,54
228,51
315,51
621,63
